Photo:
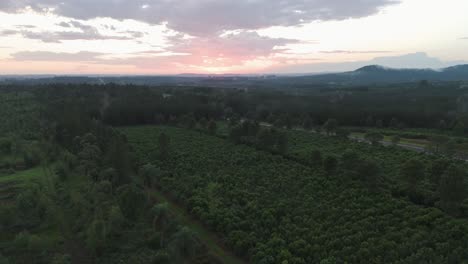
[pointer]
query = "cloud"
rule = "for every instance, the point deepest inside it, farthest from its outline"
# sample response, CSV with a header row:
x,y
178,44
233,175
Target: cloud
x,y
134,34
8,32
237,51
354,51
81,32
57,37
235,47
207,17
26,26
228,51
83,56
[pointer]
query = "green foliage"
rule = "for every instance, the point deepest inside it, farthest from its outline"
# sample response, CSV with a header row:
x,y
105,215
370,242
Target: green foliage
x,y
413,171
110,175
308,123
330,164
62,171
116,221
369,172
374,137
5,146
61,259
161,220
330,126
184,244
132,201
343,133
163,146
90,156
21,241
396,140
212,127
437,169
266,204
96,236
8,217
150,174
4,260
350,160
437,143
29,208
315,157
452,188
162,257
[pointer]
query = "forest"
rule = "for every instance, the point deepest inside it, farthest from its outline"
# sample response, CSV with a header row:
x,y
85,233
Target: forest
x,y
121,173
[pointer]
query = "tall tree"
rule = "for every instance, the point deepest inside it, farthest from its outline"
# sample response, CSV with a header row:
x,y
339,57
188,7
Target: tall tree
x,y
396,140
163,146
413,171
369,171
330,126
161,220
282,143
374,137
212,127
452,188
308,123
184,244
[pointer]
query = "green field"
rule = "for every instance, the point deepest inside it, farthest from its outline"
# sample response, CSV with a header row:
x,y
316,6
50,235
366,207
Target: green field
x,y
272,210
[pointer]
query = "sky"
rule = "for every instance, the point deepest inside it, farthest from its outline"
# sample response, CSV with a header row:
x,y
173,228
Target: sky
x,y
228,36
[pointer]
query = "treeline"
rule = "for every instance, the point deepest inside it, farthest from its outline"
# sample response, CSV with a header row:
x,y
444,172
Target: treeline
x,y
442,107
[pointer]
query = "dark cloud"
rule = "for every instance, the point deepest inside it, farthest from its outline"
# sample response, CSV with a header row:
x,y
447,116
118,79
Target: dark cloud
x,y
110,27
354,51
26,26
83,56
64,24
8,32
208,17
134,34
57,37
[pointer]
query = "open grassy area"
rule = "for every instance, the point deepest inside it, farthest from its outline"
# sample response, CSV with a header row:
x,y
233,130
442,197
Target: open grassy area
x,y
409,141
22,177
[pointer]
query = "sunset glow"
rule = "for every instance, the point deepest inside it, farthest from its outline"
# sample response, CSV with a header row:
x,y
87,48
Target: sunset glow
x,y
151,37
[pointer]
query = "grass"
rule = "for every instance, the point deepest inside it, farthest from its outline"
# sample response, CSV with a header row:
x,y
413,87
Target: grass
x,y
22,177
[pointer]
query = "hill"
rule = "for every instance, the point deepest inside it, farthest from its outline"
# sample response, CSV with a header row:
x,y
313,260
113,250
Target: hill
x,y
375,74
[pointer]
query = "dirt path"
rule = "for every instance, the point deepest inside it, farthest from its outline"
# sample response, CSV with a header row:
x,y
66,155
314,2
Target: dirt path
x,y
209,239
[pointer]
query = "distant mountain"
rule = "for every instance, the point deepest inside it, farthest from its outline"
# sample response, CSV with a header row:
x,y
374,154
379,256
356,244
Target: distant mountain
x,y
417,60
367,75
378,74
